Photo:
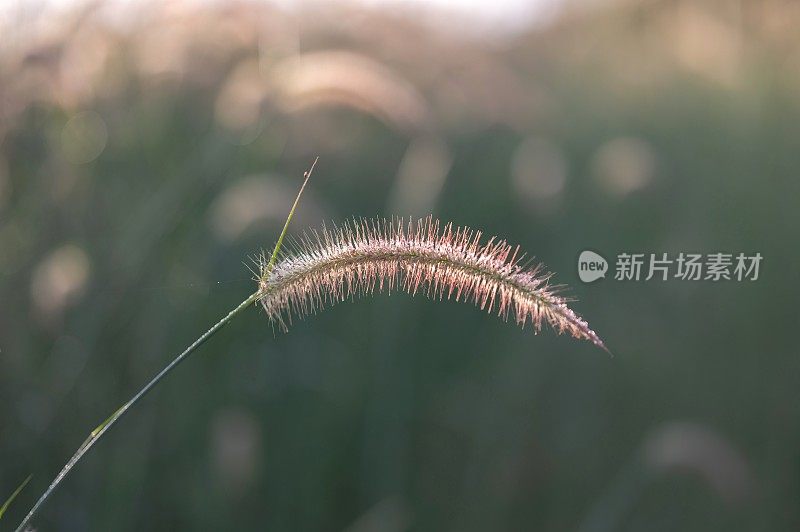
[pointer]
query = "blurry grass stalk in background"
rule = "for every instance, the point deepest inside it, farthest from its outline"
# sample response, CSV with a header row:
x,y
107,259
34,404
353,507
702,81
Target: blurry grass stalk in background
x,y
101,429
14,496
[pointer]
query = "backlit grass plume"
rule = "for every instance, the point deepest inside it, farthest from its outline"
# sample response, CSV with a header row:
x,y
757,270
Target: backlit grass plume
x,y
361,257
443,262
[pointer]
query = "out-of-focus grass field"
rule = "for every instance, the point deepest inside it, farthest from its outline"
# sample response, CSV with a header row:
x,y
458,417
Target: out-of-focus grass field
x,y
144,157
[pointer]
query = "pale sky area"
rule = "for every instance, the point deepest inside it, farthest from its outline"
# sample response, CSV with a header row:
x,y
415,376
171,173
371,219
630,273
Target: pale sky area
x,y
481,16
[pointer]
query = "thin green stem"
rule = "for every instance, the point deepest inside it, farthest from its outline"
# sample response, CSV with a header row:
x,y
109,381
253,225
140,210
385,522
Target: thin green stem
x,y
268,268
97,433
101,429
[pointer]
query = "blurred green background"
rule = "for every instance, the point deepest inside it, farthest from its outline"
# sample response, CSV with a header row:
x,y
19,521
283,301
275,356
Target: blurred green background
x,y
146,153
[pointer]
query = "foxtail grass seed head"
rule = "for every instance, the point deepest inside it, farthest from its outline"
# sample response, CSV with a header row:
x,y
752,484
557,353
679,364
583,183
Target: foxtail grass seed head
x,y
363,256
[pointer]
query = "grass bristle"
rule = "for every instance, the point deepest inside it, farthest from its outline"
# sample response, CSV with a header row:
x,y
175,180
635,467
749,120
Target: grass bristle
x,y
443,262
